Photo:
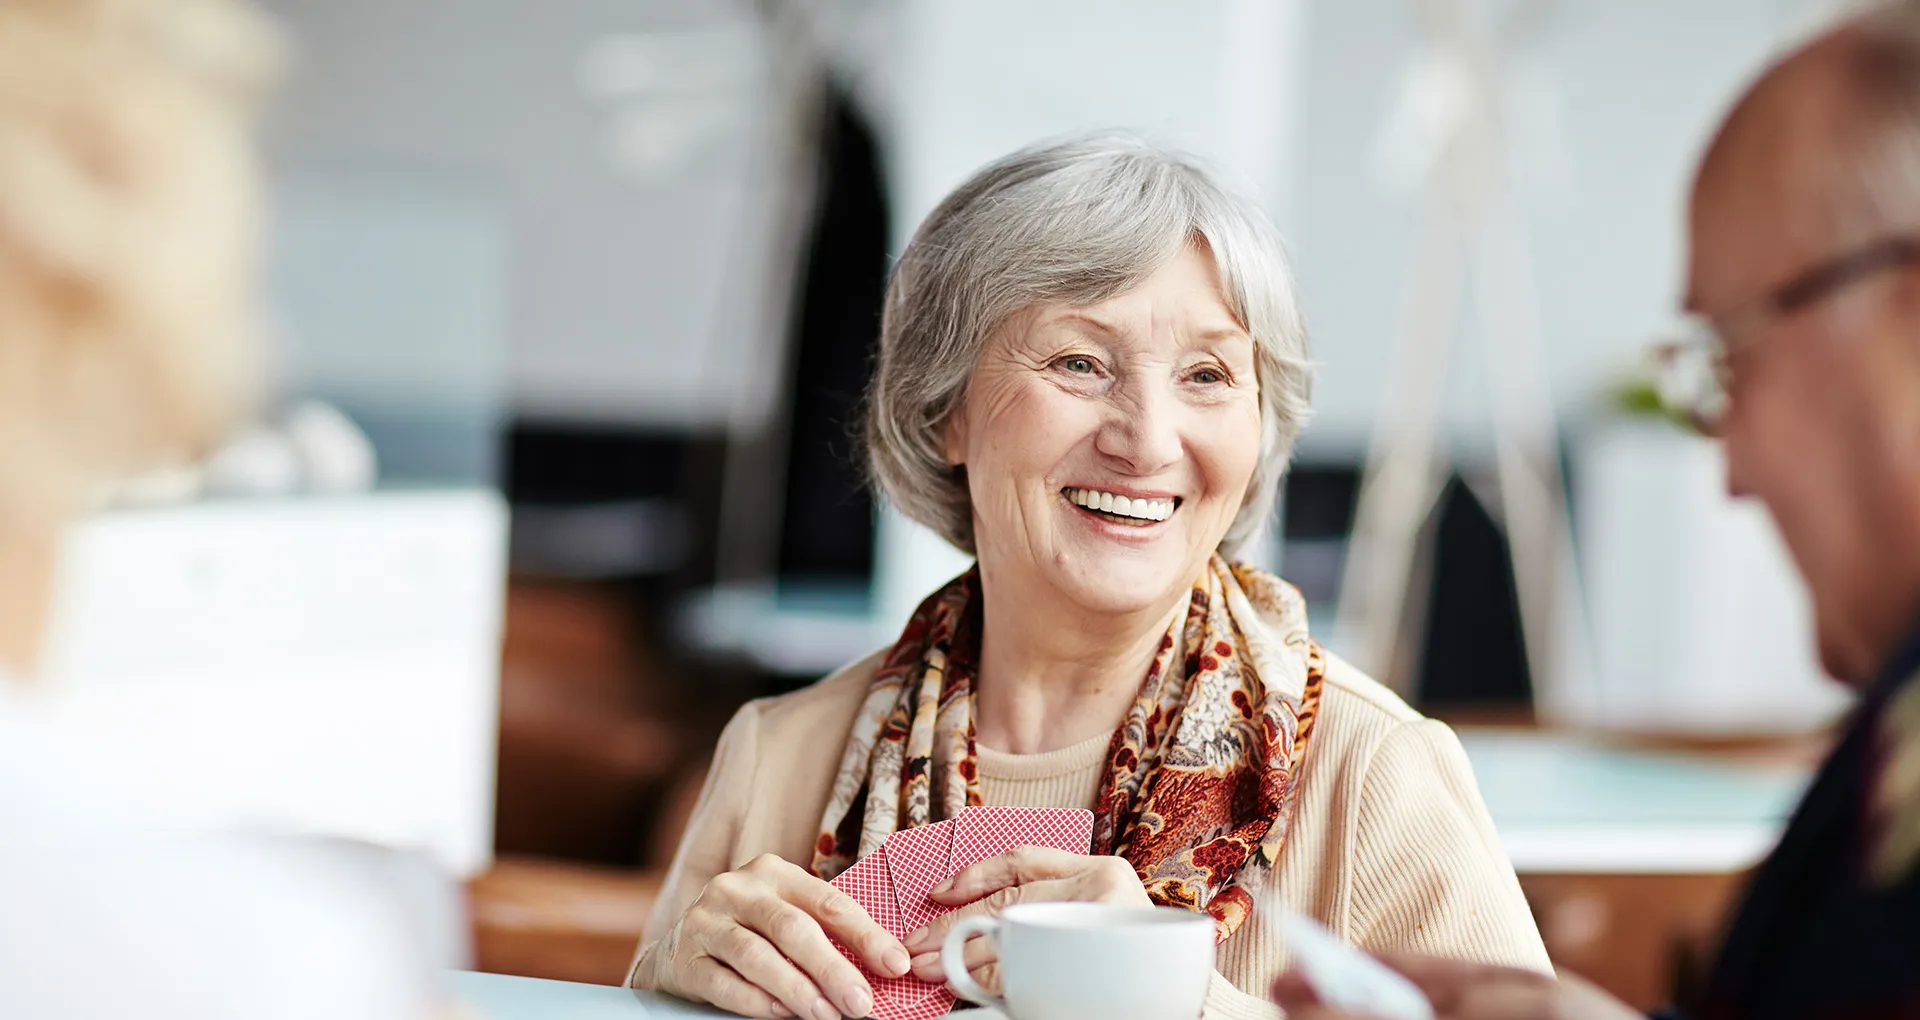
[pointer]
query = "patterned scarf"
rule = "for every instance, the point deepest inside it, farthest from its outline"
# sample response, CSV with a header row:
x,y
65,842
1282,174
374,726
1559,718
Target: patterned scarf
x,y
1201,774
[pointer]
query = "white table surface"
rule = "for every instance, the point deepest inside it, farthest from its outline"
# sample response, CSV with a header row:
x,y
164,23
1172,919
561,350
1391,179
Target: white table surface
x,y
499,997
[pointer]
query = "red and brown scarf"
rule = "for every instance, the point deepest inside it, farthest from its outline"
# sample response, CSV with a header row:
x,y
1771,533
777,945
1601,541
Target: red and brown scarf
x,y
1201,774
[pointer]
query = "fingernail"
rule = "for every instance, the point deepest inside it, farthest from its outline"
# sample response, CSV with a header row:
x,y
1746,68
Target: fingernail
x,y
943,888
915,939
897,962
780,1009
927,967
823,1010
859,1003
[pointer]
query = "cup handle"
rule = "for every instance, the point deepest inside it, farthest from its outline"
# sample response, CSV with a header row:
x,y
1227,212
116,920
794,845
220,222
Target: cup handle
x,y
953,957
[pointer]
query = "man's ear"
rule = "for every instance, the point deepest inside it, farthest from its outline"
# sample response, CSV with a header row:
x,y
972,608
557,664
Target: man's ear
x,y
954,436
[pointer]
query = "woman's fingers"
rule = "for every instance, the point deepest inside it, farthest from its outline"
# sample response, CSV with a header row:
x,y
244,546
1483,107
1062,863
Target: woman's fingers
x,y
755,959
844,918
799,938
982,963
929,938
1016,867
709,980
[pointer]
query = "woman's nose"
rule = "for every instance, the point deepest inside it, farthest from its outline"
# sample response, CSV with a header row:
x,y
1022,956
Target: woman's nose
x,y
1143,432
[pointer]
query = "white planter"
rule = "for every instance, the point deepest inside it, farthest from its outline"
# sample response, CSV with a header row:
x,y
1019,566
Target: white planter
x,y
1698,620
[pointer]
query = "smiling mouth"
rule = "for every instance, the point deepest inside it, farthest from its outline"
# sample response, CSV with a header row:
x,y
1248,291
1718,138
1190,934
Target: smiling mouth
x,y
1138,513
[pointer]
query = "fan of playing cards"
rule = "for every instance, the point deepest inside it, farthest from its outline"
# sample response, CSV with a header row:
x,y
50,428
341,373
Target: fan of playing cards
x,y
893,882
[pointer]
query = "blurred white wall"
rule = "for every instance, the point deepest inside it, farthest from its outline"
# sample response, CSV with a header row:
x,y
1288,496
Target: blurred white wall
x,y
617,139
1641,84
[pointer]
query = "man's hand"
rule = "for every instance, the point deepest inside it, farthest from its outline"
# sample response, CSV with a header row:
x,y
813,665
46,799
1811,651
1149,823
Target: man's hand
x,y
1473,991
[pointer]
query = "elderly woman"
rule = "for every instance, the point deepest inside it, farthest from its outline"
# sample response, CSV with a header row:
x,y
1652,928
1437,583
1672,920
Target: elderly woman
x,y
1092,370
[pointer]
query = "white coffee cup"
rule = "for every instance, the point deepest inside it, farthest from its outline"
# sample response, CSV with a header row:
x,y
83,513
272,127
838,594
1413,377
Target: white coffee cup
x,y
1090,961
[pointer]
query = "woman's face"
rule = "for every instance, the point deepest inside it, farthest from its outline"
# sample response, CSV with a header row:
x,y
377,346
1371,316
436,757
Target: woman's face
x,y
1108,446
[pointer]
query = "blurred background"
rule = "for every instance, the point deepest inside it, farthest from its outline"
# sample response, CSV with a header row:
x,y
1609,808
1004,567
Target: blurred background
x,y
576,301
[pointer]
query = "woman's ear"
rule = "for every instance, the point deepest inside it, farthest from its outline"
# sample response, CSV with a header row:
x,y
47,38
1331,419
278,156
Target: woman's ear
x,y
954,437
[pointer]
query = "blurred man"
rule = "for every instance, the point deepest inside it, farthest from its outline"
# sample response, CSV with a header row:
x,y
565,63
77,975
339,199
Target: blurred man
x,y
1805,274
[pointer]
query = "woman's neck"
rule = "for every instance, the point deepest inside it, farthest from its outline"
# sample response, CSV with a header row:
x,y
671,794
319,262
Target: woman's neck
x,y
1052,674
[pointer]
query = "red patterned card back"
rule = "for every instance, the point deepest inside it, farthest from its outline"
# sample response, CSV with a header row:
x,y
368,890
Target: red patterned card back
x,y
868,882
902,998
983,832
918,858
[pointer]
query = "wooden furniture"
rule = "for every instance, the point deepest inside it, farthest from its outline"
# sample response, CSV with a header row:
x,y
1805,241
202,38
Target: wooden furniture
x,y
600,761
554,919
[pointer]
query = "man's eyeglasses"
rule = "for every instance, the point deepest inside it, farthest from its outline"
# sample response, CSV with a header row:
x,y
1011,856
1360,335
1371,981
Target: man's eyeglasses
x,y
1691,372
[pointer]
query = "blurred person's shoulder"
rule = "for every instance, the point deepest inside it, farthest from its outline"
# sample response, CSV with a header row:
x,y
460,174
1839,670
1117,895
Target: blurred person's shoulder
x,y
191,924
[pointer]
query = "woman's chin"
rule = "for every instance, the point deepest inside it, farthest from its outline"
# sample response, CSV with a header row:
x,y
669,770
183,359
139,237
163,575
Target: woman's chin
x,y
1120,585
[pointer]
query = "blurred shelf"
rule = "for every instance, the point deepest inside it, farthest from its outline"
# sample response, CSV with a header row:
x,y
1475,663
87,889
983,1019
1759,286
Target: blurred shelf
x,y
598,540
1568,804
795,629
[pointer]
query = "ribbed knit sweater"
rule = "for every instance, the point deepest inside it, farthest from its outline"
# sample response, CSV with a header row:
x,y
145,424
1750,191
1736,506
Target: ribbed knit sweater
x,y
1390,846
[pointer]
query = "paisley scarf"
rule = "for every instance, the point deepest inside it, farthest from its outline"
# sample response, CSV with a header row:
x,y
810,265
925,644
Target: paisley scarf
x,y
1200,777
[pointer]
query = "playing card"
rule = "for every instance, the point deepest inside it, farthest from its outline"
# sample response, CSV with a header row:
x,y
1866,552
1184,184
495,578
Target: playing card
x,y
902,998
918,859
867,881
939,1003
983,832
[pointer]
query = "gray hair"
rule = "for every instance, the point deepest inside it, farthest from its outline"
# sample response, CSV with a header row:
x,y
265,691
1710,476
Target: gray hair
x,y
1075,221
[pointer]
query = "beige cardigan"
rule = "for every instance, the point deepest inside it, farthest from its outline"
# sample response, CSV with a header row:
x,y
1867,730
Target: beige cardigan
x,y
1391,846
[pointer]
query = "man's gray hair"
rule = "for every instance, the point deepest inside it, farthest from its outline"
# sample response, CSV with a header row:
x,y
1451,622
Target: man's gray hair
x,y
1074,222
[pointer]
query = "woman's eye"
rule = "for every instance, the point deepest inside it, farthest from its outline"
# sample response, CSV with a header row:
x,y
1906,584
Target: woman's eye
x,y
1208,376
1077,365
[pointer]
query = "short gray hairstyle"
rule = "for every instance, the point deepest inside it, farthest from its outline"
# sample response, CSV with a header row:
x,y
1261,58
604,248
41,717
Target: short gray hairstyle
x,y
1075,221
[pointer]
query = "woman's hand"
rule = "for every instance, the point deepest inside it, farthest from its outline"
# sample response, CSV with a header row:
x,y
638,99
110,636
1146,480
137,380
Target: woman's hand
x,y
1029,874
755,943
1473,991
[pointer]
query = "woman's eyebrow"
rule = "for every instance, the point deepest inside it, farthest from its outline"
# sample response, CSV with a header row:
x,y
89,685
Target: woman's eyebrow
x,y
1085,320
1216,334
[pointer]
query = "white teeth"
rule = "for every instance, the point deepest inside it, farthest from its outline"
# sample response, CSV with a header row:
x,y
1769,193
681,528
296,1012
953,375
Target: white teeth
x,y
1122,506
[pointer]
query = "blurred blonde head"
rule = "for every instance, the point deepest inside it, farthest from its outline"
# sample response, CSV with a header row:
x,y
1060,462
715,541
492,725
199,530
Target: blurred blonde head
x,y
128,209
